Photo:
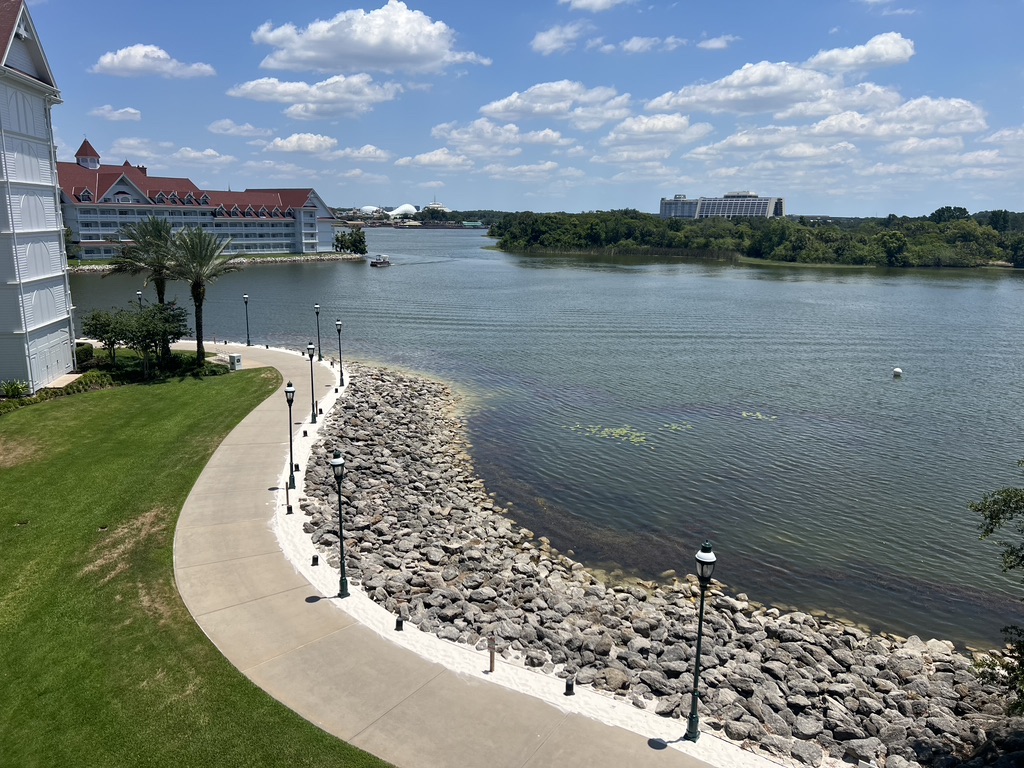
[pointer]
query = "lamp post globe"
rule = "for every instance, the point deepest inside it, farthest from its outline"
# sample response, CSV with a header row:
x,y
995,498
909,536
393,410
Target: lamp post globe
x,y
310,350
319,346
289,395
245,298
705,567
341,368
338,467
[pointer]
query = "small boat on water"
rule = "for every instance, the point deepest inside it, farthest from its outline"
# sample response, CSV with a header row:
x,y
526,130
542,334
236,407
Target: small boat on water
x,y
380,260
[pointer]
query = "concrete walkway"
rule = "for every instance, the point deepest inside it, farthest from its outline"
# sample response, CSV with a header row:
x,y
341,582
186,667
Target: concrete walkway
x,y
314,657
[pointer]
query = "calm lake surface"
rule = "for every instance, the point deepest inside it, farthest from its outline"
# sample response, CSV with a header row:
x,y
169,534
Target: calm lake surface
x,y
757,406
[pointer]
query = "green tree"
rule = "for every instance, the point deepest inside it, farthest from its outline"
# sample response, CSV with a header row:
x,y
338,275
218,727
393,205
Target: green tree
x,y
71,249
146,247
948,213
147,330
999,220
108,328
1002,514
893,244
198,260
357,241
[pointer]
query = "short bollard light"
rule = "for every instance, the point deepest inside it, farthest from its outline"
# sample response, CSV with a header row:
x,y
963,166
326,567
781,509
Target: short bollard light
x,y
570,686
491,648
316,560
705,567
338,467
399,624
310,350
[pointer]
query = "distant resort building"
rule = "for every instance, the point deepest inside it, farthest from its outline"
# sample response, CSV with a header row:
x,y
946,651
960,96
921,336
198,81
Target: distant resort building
x,y
36,332
98,200
732,205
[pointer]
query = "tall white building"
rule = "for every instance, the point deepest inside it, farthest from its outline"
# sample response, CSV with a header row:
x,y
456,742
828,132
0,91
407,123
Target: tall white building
x,y
731,205
98,200
36,332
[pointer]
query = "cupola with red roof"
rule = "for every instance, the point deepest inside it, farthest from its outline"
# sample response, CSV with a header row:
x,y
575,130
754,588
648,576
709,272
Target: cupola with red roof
x,y
87,156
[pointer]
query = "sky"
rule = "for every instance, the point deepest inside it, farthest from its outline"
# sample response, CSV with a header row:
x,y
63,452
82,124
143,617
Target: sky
x,y
843,107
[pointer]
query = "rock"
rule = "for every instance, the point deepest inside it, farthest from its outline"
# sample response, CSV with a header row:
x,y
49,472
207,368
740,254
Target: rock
x,y
808,753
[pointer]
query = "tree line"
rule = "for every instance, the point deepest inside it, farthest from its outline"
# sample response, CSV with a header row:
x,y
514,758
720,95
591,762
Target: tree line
x,y
949,237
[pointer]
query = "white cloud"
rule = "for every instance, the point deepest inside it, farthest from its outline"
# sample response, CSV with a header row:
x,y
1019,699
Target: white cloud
x,y
640,44
390,39
366,153
717,43
201,157
441,159
913,145
585,108
278,169
594,6
672,42
522,173
882,50
338,95
139,60
665,129
558,39
917,117
137,149
830,101
483,137
761,87
228,127
107,112
309,143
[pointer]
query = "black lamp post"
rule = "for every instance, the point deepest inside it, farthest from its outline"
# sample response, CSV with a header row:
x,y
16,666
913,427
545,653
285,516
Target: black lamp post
x,y
341,369
245,298
319,346
312,390
289,395
338,466
138,295
705,567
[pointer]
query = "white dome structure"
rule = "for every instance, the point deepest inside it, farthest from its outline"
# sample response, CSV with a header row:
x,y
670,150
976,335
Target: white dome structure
x,y
406,209
370,210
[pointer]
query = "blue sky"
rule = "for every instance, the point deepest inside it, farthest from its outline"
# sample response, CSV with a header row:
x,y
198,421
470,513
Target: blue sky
x,y
845,107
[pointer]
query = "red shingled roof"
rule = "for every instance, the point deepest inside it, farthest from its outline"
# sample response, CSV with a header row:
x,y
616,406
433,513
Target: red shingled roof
x,y
10,12
74,179
86,150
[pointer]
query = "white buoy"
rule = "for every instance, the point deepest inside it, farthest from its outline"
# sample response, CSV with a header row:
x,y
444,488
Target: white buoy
x,y
897,372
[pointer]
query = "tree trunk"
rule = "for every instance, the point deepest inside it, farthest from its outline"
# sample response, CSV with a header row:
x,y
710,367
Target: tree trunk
x,y
197,299
160,284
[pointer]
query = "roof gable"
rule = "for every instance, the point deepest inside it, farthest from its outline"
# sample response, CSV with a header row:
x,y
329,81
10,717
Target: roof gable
x,y
22,51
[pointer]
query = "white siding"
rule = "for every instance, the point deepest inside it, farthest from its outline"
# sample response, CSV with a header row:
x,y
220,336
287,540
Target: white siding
x,y
39,257
22,112
45,302
49,355
13,362
33,210
20,58
28,160
10,315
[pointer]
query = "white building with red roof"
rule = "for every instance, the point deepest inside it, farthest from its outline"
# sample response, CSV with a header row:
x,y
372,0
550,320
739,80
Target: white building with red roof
x,y
36,331
98,200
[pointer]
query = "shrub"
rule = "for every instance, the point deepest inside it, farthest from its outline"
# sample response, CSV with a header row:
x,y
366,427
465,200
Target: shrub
x,y
13,388
84,353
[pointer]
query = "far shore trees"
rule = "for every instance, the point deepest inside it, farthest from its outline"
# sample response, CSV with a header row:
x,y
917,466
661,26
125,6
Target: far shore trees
x,y
949,237
199,259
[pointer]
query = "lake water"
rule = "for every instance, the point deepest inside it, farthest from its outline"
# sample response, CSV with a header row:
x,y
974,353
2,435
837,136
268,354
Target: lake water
x,y
629,411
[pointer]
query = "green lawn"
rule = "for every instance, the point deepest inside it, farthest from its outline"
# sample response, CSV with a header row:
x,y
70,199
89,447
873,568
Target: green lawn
x,y
100,662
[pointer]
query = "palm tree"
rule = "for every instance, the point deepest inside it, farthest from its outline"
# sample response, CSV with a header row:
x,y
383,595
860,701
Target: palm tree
x,y
145,247
199,259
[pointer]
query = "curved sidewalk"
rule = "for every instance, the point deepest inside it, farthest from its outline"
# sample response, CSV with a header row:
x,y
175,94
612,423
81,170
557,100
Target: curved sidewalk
x,y
319,660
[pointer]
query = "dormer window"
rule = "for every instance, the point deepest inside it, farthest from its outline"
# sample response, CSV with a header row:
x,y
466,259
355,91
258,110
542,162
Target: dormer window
x,y
204,200
86,196
121,197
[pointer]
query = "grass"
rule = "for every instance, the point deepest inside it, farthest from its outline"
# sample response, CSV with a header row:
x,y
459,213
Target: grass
x,y
100,662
